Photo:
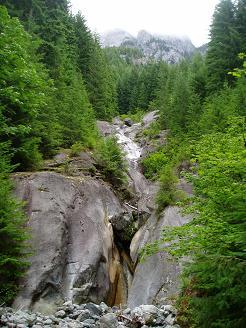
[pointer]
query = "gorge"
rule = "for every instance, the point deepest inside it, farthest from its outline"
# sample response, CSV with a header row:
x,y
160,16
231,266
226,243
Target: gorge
x,y
86,239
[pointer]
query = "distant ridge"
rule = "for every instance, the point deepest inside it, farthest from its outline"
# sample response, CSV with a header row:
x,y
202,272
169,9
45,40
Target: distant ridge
x,y
152,46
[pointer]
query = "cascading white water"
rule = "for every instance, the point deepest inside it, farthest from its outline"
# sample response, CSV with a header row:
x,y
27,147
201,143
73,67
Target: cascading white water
x,y
132,149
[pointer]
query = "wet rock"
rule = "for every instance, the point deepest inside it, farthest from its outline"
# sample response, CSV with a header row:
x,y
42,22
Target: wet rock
x,y
142,316
75,255
128,122
93,308
124,226
105,128
108,321
170,319
150,118
85,314
60,314
117,121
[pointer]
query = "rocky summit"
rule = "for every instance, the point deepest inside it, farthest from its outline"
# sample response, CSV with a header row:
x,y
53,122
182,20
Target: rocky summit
x,y
91,315
155,47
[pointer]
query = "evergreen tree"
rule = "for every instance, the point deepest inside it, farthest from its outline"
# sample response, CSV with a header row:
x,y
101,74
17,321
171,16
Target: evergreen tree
x,y
241,24
223,47
85,45
93,65
13,251
100,85
23,85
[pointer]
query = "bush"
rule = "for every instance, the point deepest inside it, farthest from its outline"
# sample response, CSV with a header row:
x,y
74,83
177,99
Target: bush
x,y
76,148
153,164
136,116
167,194
165,165
153,129
111,161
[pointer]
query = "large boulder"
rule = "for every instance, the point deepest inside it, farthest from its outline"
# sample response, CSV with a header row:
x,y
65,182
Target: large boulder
x,y
73,252
150,118
105,128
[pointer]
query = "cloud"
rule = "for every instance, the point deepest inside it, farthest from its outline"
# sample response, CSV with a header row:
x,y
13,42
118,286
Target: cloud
x,y
173,17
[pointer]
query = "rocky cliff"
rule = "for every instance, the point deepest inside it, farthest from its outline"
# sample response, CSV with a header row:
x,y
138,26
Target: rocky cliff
x,y
152,47
85,236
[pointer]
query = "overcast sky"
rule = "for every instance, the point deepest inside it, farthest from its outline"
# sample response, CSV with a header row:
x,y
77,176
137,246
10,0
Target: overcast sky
x,y
173,17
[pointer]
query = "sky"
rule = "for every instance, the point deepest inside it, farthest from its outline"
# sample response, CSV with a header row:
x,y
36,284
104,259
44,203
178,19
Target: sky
x,y
169,17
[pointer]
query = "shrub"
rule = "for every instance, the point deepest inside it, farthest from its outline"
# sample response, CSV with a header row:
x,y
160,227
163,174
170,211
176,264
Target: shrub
x,y
153,129
153,164
136,115
76,148
167,194
111,161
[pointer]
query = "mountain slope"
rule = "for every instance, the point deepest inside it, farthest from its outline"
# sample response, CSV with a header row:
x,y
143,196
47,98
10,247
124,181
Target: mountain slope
x,y
153,47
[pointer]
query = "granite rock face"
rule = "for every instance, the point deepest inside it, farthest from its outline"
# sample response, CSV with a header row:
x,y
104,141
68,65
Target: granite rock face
x,y
157,278
74,255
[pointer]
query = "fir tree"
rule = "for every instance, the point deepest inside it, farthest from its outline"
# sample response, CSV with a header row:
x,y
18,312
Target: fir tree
x,y
223,46
13,251
23,84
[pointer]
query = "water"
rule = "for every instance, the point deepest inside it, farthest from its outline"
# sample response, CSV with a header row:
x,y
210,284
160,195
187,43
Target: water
x,y
132,149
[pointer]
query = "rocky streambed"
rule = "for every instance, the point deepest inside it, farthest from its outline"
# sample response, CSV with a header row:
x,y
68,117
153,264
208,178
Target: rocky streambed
x,y
92,315
85,239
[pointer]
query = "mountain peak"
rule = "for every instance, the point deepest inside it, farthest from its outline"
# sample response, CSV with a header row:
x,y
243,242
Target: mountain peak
x,y
114,38
152,46
143,36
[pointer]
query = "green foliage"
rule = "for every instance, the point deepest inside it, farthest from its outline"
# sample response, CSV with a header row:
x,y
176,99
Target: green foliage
x,y
53,104
12,234
153,164
240,72
22,90
223,47
164,165
216,236
227,41
180,93
76,148
152,130
167,194
136,84
69,51
77,120
136,115
97,73
111,161
240,18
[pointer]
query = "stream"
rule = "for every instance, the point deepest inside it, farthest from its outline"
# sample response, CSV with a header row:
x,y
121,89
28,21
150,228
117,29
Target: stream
x,y
86,237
